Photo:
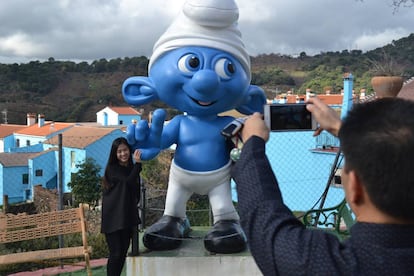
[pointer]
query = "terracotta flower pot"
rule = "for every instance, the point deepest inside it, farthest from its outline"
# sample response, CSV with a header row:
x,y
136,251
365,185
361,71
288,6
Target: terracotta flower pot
x,y
386,86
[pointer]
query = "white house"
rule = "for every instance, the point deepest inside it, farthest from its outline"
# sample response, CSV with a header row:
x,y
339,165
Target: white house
x,y
117,115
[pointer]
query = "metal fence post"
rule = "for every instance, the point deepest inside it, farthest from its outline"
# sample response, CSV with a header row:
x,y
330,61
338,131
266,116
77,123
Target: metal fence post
x,y
60,187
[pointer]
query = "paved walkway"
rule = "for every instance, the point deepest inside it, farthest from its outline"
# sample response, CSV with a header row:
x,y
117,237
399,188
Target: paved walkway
x,y
66,268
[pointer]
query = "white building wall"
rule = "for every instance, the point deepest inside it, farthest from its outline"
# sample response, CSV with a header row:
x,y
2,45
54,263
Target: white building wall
x,y
112,117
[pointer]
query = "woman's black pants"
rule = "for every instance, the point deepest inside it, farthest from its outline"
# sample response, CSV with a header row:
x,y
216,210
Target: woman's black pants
x,y
118,244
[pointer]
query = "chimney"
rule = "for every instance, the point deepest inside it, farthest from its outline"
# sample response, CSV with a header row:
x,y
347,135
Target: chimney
x,y
309,94
362,94
348,91
31,119
41,120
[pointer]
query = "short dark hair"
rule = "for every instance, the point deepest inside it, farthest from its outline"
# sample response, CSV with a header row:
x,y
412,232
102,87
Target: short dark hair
x,y
377,139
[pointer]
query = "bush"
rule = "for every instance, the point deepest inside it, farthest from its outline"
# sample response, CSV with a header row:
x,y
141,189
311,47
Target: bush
x,y
99,246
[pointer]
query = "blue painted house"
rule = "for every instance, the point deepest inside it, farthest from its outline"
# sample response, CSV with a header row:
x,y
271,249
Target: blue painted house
x,y
38,163
36,133
7,140
80,143
19,172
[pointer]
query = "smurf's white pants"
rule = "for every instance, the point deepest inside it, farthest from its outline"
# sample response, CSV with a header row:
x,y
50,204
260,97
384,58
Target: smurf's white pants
x,y
216,184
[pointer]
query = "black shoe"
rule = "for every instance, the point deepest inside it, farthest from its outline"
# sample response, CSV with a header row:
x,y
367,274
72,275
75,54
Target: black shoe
x,y
226,237
167,233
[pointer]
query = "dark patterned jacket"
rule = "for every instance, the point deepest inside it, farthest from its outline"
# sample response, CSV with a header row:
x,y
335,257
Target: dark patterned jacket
x,y
281,245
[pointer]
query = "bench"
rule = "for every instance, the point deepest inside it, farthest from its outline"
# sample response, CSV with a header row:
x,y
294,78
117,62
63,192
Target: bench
x,y
337,219
23,227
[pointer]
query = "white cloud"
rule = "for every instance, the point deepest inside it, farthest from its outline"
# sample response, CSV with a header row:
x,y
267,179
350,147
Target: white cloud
x,y
20,44
371,41
94,29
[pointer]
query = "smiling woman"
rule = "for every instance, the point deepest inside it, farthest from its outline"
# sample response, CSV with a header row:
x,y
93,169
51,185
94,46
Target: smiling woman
x,y
121,183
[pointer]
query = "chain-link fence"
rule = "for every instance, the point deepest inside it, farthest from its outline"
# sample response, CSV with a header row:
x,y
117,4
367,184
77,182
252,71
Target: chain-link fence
x,y
302,163
306,168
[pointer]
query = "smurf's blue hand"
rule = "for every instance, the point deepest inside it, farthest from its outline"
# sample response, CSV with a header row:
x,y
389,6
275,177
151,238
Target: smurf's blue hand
x,y
147,137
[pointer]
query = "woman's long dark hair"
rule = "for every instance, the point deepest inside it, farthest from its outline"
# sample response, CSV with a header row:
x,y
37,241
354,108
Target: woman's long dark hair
x,y
113,159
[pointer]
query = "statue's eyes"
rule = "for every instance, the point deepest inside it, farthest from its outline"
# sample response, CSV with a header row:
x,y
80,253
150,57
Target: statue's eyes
x,y
189,63
225,68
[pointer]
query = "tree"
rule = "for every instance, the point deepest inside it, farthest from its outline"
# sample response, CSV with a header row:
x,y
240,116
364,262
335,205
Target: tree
x,y
396,4
86,183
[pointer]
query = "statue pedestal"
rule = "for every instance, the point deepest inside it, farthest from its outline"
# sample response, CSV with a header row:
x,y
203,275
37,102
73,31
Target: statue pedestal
x,y
191,259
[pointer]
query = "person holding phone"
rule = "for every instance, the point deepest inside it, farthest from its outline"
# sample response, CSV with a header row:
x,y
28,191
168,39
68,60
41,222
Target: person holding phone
x,y
377,140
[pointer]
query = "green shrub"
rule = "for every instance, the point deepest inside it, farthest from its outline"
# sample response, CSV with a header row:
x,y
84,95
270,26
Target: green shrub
x,y
99,246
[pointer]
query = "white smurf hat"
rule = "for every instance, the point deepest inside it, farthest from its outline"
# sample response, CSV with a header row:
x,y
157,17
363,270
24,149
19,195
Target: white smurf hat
x,y
210,23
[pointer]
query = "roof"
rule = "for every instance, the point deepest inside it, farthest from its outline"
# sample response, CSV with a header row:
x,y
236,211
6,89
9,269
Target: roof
x,y
10,159
407,91
45,130
6,129
80,136
124,110
331,99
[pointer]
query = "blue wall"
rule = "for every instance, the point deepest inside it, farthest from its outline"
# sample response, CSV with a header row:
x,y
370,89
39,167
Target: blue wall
x,y
301,173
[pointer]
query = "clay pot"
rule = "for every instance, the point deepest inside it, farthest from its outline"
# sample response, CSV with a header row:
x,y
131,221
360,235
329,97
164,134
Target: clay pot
x,y
386,86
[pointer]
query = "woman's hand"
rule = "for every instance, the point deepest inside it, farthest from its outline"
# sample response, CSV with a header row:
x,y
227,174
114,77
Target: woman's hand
x,y
137,156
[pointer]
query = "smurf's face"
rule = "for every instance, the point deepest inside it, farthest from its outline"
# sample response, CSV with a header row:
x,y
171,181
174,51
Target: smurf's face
x,y
199,80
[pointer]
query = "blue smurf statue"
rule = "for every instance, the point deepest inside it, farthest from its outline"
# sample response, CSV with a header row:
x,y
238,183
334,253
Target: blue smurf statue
x,y
200,67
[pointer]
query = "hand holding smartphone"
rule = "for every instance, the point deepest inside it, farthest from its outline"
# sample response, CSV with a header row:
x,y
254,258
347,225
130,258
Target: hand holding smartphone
x,y
288,117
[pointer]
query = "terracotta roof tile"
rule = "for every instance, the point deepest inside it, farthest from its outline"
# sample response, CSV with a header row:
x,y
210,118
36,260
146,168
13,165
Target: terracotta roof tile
x,y
80,136
6,129
45,130
8,159
332,99
124,110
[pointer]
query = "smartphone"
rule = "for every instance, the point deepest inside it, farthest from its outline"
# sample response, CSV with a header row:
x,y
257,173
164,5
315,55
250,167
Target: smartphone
x,y
288,117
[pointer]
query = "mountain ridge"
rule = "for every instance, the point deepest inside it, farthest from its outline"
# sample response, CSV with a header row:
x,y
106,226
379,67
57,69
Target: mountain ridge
x,y
68,92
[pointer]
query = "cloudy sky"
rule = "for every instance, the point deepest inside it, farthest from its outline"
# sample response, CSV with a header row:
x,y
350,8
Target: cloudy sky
x,y
87,30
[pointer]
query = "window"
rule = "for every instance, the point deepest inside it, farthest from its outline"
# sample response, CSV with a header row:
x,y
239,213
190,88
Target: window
x,y
17,143
28,193
39,173
121,122
27,142
25,178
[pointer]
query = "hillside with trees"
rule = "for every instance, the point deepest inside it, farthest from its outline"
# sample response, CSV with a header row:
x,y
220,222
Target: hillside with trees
x,y
66,91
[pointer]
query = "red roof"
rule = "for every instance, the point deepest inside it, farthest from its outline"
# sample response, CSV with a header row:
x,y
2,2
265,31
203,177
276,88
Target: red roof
x,y
45,130
81,136
407,91
6,129
124,110
331,99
